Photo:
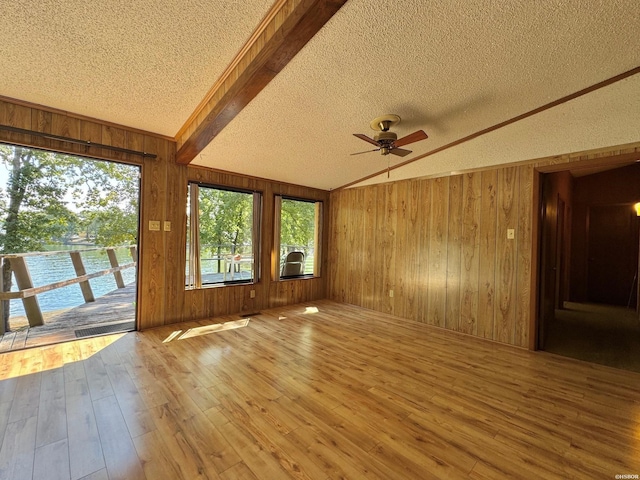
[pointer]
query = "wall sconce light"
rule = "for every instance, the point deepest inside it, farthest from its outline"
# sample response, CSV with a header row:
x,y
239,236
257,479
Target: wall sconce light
x,y
637,207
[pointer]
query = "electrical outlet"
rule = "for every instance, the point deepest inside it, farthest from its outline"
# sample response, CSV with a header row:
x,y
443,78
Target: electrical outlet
x,y
154,225
511,234
252,294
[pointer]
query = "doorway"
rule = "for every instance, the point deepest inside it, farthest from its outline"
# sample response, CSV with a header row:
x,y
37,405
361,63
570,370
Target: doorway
x,y
68,247
589,243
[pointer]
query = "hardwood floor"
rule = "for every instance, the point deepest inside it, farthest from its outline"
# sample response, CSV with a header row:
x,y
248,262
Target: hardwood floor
x,y
340,393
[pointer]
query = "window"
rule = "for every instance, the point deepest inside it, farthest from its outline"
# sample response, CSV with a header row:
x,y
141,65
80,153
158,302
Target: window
x,y
222,232
298,237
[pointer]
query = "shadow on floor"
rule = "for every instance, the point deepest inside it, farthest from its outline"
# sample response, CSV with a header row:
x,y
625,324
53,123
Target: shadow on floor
x,y
604,334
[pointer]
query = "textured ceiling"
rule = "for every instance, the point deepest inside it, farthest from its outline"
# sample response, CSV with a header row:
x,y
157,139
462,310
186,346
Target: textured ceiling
x,y
141,63
444,68
451,68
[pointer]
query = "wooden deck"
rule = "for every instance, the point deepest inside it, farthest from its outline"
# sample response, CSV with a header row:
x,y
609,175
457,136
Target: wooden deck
x,y
115,307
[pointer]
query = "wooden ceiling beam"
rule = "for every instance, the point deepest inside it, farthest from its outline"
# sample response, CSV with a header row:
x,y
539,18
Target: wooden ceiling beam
x,y
287,28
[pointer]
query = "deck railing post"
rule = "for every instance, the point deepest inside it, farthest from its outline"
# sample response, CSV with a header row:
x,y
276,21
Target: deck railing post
x,y
134,253
76,259
113,260
23,279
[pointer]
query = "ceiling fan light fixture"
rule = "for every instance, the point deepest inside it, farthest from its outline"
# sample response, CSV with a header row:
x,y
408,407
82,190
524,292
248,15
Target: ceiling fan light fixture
x,y
386,141
384,122
385,137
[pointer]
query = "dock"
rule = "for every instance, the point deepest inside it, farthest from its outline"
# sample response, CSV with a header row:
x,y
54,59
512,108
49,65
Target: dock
x,y
115,311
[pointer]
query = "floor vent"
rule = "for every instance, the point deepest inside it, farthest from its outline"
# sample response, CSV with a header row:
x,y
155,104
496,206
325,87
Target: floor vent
x,y
103,329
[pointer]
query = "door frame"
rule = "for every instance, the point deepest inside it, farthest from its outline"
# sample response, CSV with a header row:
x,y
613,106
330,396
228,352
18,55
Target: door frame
x,y
611,161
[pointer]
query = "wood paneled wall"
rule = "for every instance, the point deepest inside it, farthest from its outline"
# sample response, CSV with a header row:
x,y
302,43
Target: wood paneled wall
x,y
441,245
162,297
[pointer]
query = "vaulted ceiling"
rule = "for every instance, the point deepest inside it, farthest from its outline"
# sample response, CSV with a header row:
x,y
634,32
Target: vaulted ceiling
x,y
454,69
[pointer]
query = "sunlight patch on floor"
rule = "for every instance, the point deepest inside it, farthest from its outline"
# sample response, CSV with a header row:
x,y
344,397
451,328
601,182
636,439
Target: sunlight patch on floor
x,y
206,330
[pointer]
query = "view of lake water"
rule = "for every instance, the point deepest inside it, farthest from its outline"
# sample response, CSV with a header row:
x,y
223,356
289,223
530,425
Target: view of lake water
x,y
54,268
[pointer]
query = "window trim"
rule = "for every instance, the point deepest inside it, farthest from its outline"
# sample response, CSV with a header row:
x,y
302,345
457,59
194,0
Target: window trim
x,y
277,233
194,272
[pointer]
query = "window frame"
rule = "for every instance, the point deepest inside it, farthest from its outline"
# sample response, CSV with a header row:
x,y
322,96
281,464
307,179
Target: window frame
x,y
277,234
193,274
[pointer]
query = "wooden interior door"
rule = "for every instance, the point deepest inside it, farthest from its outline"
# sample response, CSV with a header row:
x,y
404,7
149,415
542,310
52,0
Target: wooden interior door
x,y
613,254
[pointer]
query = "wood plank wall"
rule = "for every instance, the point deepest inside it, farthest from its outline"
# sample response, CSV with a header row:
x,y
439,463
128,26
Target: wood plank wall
x,y
441,245
162,297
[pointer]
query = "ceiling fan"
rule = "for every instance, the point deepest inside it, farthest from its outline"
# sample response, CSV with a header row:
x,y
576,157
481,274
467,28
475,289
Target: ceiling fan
x,y
386,141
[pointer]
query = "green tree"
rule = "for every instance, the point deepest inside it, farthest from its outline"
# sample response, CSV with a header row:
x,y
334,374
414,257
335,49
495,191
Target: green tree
x,y
297,224
34,210
107,195
225,220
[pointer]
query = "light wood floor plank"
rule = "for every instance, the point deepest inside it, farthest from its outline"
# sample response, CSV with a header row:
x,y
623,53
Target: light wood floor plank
x,y
26,397
5,409
259,460
185,460
239,471
99,475
132,407
18,450
268,433
52,461
341,393
85,447
7,386
209,444
52,419
97,378
156,458
119,452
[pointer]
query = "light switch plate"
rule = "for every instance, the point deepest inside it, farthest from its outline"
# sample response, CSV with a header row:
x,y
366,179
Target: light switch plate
x,y
511,234
154,225
167,226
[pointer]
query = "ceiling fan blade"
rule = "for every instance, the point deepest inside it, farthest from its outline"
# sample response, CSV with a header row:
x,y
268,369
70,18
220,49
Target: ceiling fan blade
x,y
365,138
401,152
412,137
368,151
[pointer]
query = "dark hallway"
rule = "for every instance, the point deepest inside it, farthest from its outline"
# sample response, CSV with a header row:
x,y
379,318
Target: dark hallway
x,y
589,264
